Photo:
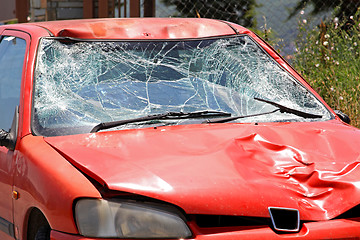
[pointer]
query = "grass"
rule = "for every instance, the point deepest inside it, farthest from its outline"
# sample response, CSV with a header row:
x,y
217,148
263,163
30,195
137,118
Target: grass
x,y
329,59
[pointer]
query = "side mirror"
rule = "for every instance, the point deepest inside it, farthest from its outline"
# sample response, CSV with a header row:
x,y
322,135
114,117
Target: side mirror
x,y
344,117
4,137
8,139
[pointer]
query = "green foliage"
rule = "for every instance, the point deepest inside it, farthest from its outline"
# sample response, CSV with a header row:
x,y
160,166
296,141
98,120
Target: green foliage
x,y
343,8
237,11
270,36
12,21
329,58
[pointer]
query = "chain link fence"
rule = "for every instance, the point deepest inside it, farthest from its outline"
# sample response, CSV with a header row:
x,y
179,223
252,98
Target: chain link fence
x,y
280,18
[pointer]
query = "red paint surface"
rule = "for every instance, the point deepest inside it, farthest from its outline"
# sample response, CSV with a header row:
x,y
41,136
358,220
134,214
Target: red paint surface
x,y
139,28
336,229
228,169
234,169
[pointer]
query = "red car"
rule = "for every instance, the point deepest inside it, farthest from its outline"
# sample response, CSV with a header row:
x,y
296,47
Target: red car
x,y
167,129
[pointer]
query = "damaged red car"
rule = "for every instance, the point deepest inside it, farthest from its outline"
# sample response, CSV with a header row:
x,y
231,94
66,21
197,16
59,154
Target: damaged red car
x,y
167,129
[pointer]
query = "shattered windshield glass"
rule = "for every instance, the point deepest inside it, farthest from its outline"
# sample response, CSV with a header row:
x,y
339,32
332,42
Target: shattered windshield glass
x,y
79,84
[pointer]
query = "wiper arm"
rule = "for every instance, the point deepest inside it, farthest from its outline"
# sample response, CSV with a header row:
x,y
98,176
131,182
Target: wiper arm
x,y
289,110
167,115
229,119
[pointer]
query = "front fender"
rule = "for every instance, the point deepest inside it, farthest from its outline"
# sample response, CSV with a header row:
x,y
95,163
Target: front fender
x,y
46,180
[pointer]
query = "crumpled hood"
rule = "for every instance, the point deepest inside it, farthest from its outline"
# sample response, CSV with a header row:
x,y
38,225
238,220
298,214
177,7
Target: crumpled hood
x,y
228,169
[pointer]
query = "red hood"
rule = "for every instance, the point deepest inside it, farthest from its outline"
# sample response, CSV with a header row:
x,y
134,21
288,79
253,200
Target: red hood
x,y
228,169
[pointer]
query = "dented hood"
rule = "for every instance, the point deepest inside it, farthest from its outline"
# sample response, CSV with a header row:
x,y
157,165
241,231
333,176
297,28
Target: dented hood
x,y
228,169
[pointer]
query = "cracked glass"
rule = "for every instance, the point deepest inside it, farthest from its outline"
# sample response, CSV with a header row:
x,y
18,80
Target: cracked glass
x,y
79,84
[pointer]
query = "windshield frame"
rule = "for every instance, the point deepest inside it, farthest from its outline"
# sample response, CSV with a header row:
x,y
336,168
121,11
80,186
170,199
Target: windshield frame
x,y
301,82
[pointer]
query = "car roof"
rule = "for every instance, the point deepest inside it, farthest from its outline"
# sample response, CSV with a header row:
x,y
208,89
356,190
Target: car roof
x,y
139,28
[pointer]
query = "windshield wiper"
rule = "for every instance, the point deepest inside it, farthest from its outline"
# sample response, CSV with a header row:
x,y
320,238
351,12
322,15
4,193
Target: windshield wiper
x,y
167,115
289,110
280,108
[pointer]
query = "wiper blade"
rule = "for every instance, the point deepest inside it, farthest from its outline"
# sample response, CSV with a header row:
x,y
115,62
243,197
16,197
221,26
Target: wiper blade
x,y
167,115
280,108
289,110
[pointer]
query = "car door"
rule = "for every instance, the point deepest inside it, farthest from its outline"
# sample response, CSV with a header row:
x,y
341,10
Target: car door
x,y
13,49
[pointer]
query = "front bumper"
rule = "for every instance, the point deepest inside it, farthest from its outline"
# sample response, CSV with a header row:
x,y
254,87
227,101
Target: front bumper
x,y
333,229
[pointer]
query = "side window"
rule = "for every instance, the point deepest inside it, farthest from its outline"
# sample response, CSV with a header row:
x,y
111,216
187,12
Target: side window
x,y
12,53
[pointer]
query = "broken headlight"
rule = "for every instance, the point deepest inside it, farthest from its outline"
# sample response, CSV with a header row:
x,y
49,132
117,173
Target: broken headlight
x,y
122,219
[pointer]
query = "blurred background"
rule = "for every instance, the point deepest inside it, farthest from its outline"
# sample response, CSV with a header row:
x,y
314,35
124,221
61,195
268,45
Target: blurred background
x,y
278,19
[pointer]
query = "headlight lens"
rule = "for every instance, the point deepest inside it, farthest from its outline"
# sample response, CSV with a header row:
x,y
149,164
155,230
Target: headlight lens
x,y
121,219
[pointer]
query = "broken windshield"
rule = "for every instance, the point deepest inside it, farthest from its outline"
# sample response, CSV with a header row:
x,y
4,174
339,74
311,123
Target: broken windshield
x,y
79,84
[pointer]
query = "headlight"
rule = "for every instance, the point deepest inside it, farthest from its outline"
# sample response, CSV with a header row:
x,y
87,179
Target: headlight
x,y
121,219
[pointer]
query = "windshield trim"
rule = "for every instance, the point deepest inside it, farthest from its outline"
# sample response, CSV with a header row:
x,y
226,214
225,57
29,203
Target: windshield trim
x,y
143,40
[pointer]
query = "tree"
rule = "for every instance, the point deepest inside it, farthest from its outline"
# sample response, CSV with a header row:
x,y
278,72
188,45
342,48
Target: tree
x,y
344,8
237,11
